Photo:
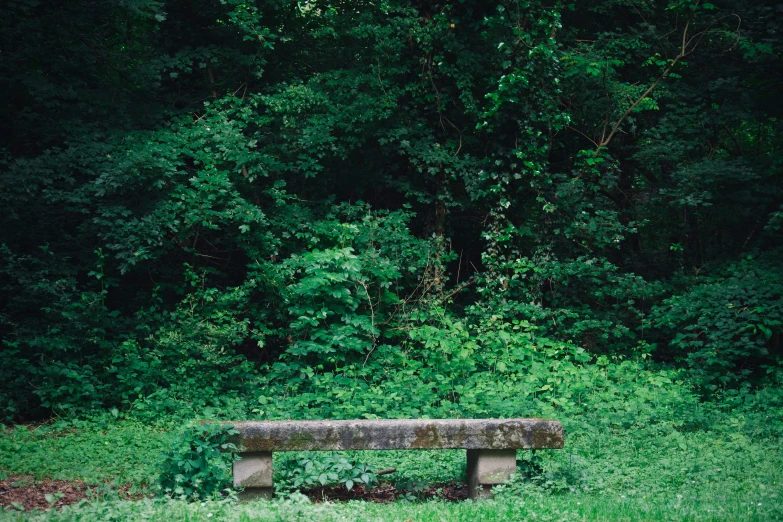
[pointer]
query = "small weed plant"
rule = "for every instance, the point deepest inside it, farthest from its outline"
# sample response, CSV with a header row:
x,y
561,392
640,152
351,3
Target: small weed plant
x,y
198,464
311,470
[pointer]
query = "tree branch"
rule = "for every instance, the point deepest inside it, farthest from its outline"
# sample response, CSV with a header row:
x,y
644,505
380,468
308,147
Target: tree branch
x,y
682,54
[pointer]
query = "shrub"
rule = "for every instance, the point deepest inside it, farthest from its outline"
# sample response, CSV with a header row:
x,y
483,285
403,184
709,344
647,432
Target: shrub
x,y
314,469
198,463
728,325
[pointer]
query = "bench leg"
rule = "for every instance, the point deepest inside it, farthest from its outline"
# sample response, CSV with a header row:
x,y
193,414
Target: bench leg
x,y
487,468
254,473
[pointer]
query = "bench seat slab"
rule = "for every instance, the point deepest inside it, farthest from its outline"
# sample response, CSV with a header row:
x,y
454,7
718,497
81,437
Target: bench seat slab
x,y
406,434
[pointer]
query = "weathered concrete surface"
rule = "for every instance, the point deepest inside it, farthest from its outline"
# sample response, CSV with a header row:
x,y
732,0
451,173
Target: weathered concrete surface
x,y
267,436
253,470
487,468
257,494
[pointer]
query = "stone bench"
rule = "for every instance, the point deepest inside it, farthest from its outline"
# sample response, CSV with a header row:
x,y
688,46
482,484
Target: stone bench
x,y
491,444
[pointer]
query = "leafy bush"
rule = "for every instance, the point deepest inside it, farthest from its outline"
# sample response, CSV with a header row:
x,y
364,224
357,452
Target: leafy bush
x,y
341,290
588,300
317,469
198,463
730,324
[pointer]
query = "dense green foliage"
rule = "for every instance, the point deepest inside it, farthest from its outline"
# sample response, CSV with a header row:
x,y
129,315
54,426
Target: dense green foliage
x,y
203,199
312,470
198,463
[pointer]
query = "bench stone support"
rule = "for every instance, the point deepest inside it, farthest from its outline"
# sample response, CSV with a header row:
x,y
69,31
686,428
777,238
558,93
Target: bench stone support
x,y
254,473
487,468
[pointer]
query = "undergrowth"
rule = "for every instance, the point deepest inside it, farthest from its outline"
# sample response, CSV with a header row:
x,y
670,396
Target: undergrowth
x,y
681,459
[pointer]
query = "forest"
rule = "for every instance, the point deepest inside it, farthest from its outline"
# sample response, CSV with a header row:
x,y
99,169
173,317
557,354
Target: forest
x,y
228,210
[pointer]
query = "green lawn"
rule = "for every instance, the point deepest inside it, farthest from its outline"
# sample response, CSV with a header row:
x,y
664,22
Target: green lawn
x,y
711,504
639,473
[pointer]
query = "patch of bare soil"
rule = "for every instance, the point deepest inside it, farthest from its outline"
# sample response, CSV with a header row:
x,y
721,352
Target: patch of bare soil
x,y
20,491
453,491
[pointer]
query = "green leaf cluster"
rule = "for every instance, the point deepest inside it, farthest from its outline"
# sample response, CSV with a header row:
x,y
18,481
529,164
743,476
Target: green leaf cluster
x,y
311,470
198,463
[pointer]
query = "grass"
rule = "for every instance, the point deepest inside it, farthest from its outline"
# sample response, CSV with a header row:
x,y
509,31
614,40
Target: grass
x,y
644,473
98,452
697,505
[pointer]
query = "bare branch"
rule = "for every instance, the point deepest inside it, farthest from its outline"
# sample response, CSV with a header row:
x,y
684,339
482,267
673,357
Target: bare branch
x,y
683,52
